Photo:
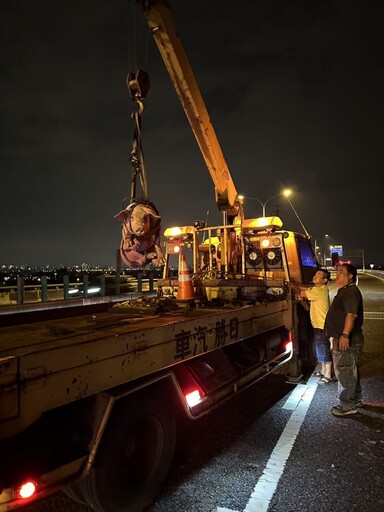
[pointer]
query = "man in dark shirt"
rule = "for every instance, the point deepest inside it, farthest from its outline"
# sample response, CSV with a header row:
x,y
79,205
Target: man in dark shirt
x,y
343,325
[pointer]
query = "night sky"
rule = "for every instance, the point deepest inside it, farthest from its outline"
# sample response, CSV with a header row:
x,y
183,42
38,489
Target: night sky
x,y
295,91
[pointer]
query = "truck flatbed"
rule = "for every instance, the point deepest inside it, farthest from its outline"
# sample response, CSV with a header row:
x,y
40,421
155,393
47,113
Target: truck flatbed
x,y
47,364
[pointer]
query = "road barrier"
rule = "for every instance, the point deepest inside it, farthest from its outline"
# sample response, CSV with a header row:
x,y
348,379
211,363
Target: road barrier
x,y
104,285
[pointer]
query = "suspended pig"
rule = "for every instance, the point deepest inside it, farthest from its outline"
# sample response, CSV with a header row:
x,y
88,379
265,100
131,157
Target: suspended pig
x,y
140,243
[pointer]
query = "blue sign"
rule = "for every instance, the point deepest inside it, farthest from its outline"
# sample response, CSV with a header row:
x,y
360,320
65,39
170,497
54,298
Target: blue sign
x,y
337,249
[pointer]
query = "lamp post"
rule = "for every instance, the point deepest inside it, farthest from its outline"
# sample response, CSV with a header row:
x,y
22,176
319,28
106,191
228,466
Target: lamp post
x,y
321,251
285,193
263,205
316,248
324,255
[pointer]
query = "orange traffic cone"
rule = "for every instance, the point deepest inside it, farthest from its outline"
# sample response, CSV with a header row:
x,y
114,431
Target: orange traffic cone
x,y
185,289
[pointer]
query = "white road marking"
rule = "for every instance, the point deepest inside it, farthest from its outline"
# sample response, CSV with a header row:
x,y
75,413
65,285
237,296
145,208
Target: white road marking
x,y
373,315
299,401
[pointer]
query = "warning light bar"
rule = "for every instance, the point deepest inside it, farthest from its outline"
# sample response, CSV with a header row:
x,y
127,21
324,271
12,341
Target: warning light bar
x,y
263,223
179,232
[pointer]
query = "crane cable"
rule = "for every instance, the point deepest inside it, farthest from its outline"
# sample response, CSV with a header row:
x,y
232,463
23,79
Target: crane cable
x,y
137,153
138,85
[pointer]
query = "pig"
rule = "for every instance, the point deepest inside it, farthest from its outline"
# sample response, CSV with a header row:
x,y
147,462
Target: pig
x,y
140,242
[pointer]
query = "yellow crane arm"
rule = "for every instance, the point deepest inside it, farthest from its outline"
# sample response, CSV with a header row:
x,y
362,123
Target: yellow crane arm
x,y
163,29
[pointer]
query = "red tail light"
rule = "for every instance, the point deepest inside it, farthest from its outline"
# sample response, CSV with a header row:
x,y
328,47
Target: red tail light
x,y
193,398
27,489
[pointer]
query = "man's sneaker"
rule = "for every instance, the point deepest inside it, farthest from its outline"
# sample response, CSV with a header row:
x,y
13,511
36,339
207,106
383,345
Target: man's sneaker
x,y
340,411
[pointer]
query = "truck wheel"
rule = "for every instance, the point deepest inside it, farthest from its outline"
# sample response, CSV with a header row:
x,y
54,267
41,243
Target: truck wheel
x,y
134,457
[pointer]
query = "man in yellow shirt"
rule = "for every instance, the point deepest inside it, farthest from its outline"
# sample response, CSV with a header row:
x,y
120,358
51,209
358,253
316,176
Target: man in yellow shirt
x,y
318,297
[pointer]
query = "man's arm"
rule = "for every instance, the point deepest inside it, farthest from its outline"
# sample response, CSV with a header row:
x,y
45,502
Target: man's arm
x,y
300,292
349,324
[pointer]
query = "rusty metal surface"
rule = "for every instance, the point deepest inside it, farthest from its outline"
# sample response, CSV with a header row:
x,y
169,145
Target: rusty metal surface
x,y
60,361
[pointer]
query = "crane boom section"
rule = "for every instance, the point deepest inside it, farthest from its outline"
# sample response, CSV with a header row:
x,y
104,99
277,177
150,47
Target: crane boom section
x,y
163,29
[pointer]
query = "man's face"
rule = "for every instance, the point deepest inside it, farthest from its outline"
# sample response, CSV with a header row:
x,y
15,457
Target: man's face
x,y
342,277
319,278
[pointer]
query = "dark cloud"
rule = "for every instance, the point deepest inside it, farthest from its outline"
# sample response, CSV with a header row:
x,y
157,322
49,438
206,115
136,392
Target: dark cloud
x,y
294,90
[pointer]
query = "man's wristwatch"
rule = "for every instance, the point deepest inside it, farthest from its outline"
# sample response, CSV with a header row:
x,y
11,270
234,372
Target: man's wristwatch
x,y
345,335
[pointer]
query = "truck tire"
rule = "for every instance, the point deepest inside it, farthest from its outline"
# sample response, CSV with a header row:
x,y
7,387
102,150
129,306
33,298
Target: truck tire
x,y
134,457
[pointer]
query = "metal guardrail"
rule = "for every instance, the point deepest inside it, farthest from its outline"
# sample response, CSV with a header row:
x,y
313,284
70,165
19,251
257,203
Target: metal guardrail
x,y
44,292
376,273
30,294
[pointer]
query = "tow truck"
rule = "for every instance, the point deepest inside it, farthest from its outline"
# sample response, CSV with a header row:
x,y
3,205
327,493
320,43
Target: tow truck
x,y
91,404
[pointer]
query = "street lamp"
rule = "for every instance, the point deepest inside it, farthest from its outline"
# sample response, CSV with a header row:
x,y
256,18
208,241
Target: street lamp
x,y
285,193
